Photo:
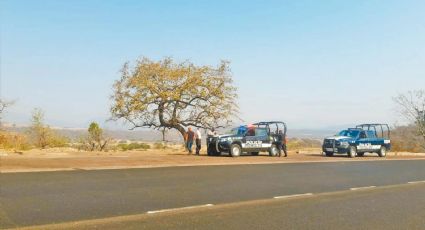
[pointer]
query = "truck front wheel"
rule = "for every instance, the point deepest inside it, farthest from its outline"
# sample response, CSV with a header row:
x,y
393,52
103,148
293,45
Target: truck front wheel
x,y
383,151
352,152
235,150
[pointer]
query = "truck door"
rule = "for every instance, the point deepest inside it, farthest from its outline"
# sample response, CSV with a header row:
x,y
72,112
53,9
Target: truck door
x,y
256,140
363,144
249,142
375,142
263,139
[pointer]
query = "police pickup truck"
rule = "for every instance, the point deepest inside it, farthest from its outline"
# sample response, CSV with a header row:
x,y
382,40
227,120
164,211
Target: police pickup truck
x,y
373,138
259,137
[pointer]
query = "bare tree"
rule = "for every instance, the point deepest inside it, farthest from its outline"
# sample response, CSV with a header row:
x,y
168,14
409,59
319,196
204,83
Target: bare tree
x,y
412,107
40,132
3,106
165,94
42,135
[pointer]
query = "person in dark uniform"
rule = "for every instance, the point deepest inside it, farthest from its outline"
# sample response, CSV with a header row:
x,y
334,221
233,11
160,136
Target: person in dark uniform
x,y
281,143
285,141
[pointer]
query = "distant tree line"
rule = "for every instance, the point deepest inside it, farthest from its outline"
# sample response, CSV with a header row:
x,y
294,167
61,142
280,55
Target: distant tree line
x,y
40,135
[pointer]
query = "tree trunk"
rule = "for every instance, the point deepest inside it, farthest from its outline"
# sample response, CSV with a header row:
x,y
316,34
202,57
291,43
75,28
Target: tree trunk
x,y
165,124
102,146
163,135
423,145
181,130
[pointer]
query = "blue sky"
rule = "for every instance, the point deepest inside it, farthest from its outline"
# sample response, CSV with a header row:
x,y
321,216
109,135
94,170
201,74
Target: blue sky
x,y
313,64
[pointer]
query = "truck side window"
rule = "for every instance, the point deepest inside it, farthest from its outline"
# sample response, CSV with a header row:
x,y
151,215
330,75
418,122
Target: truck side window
x,y
251,132
261,132
371,134
362,134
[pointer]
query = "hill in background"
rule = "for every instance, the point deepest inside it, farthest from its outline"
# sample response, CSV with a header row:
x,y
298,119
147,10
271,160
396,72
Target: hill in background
x,y
155,135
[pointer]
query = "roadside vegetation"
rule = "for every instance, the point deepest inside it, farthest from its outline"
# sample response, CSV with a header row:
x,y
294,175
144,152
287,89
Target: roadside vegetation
x,y
41,135
302,143
166,96
133,146
14,141
412,107
405,139
94,140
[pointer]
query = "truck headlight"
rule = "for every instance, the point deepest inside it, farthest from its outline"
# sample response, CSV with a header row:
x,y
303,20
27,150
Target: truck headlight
x,y
344,144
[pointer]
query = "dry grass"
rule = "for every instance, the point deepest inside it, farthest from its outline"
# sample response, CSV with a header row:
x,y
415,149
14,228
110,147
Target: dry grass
x,y
173,155
405,139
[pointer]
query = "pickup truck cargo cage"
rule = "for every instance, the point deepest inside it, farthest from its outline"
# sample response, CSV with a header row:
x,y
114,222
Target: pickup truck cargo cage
x,y
382,129
273,125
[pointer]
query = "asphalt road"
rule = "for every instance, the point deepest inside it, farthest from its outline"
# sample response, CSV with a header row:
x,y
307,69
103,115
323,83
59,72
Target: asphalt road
x,y
54,197
391,207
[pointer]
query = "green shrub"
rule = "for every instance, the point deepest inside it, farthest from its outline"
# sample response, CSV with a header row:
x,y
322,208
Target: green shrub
x,y
159,145
133,146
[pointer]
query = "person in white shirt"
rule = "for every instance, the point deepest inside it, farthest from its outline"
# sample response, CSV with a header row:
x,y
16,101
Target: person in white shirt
x,y
212,133
198,138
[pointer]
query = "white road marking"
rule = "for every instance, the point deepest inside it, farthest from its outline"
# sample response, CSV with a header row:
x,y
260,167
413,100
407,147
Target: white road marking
x,y
295,195
360,188
178,209
416,182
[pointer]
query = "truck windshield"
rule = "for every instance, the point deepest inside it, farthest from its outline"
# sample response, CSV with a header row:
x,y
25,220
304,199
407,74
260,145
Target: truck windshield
x,y
349,133
238,130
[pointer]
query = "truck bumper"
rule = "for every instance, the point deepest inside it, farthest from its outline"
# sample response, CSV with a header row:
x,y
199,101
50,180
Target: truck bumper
x,y
334,149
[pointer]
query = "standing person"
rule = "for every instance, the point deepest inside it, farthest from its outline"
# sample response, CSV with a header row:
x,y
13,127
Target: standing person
x,y
285,142
212,133
210,148
282,143
189,141
185,140
198,138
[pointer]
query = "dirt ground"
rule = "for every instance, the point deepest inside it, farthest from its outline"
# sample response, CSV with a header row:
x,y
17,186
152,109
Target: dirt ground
x,y
70,159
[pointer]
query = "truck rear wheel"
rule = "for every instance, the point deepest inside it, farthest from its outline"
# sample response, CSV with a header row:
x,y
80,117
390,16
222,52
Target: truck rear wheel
x,y
383,151
352,152
329,154
235,150
274,151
